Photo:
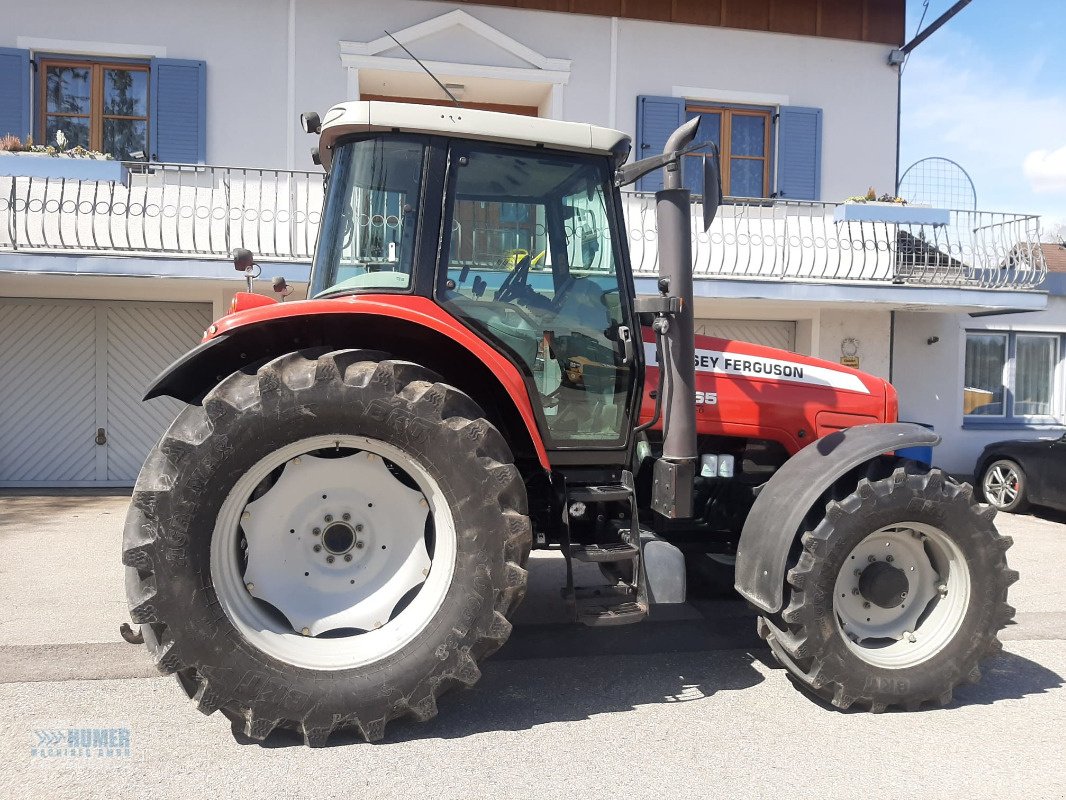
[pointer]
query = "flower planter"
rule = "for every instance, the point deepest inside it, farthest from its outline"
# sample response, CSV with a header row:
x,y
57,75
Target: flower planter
x,y
31,165
891,212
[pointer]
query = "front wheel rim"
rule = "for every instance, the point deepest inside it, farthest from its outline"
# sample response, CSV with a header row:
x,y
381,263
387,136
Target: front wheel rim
x,y
901,595
333,552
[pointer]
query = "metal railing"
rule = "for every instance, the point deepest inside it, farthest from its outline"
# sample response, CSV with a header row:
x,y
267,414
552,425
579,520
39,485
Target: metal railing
x,y
207,211
166,209
800,240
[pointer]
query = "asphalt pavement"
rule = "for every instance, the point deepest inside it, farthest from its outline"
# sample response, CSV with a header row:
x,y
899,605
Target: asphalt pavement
x,y
688,704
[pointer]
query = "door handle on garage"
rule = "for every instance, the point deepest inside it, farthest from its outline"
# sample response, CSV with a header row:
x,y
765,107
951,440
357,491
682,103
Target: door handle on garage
x,y
101,436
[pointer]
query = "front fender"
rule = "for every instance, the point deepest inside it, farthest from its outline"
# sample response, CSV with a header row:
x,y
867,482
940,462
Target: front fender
x,y
408,328
775,519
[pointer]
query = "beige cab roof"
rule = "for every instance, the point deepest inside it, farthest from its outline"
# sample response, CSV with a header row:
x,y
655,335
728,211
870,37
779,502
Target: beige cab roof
x,y
366,116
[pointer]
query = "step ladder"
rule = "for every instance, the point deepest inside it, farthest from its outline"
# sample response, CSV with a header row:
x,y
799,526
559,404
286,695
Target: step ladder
x,y
621,604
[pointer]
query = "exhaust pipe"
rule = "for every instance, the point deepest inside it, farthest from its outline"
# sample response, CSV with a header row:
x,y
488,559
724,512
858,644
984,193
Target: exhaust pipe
x,y
676,470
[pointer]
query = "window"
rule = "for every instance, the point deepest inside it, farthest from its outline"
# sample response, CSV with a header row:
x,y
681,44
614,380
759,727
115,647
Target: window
x,y
1011,376
767,151
98,106
742,135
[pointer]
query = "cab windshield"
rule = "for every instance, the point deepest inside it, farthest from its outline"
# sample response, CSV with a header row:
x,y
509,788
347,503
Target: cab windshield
x,y
368,237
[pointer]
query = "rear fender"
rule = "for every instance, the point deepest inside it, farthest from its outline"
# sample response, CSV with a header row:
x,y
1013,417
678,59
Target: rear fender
x,y
402,327
775,519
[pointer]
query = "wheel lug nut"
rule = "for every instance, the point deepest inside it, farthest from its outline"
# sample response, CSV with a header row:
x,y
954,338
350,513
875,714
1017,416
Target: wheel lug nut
x,y
360,545
866,604
329,559
346,517
329,518
942,588
855,590
347,556
306,631
358,528
889,559
316,531
317,548
858,572
871,559
249,586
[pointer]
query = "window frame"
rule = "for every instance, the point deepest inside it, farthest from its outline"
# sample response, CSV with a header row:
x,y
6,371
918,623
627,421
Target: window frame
x,y
726,111
1008,418
96,115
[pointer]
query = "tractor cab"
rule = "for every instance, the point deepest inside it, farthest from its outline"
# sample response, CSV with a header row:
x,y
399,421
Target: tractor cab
x,y
513,226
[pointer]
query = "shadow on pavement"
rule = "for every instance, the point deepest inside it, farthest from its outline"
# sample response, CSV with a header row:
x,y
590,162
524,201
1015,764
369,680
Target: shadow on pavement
x,y
39,506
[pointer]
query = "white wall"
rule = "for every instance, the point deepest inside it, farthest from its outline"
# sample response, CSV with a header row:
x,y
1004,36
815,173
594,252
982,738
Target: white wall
x,y
246,49
929,377
869,329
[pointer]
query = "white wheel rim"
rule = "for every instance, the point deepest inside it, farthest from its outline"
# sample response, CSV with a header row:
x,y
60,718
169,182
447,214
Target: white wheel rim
x,y
928,613
334,604
1001,484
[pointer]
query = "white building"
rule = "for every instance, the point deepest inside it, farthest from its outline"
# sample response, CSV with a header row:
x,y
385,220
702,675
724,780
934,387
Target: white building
x,y
109,272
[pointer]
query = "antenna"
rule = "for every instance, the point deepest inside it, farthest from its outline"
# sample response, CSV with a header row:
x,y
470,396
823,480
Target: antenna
x,y
423,66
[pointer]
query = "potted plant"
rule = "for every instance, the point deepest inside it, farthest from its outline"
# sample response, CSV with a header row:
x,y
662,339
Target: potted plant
x,y
872,207
24,159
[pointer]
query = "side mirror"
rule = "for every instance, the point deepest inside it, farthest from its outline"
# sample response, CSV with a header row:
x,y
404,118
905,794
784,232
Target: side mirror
x,y
712,187
311,122
243,260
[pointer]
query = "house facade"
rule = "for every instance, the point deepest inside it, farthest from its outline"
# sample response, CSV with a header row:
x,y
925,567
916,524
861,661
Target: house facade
x,y
110,270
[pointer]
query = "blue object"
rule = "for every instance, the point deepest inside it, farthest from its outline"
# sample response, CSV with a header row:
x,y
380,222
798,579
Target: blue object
x,y
15,92
178,133
895,213
799,153
923,455
657,118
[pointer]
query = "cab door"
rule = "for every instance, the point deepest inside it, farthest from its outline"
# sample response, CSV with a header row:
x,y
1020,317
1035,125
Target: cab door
x,y
532,260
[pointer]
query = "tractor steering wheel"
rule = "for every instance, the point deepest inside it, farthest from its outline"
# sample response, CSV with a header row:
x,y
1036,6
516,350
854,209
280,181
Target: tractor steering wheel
x,y
507,290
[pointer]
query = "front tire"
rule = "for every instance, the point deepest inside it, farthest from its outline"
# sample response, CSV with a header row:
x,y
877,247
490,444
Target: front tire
x,y
264,576
898,592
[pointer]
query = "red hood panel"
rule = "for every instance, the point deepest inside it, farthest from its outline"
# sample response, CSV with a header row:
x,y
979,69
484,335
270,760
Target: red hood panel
x,y
749,390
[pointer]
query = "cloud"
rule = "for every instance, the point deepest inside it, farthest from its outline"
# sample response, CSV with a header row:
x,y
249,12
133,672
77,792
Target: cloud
x,y
1046,170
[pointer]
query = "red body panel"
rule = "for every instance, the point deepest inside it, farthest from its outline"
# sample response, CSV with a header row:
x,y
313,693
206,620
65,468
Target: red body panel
x,y
417,310
742,390
747,390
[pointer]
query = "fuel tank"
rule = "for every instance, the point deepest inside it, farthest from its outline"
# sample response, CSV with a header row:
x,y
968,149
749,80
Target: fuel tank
x,y
751,391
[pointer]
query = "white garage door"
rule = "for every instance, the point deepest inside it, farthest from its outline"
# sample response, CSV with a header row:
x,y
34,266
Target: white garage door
x,y
73,374
772,333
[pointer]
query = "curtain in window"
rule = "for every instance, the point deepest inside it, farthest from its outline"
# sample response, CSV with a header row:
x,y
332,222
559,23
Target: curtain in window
x,y
1034,370
986,355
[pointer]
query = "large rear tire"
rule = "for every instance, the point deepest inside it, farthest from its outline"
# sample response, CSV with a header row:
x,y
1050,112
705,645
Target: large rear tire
x,y
897,594
327,544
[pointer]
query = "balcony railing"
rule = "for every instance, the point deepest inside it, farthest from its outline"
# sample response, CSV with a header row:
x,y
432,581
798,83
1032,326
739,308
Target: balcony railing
x,y
169,209
799,240
207,211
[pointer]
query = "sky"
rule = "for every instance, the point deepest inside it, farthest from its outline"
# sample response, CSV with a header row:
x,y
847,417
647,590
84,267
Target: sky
x,y
988,90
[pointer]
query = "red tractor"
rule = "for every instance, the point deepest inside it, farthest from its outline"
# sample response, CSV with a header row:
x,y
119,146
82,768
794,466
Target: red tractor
x,y
334,531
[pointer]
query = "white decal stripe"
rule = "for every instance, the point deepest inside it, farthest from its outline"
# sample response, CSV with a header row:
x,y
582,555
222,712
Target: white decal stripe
x,y
717,362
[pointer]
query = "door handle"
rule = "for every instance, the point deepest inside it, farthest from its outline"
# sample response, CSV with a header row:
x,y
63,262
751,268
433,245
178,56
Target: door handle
x,y
625,336
101,436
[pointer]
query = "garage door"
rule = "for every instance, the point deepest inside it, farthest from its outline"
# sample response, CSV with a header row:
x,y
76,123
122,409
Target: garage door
x,y
772,333
74,372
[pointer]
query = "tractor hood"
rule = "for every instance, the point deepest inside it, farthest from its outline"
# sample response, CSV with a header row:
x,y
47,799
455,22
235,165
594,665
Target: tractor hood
x,y
747,390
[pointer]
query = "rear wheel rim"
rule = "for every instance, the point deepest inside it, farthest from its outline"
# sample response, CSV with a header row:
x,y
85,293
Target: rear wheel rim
x,y
898,625
333,552
1002,484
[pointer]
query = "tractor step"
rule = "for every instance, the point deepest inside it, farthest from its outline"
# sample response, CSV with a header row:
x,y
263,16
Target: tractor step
x,y
605,553
612,493
600,614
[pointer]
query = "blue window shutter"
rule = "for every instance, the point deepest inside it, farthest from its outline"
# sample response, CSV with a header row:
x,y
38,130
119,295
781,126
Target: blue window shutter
x,y
15,92
657,118
799,153
178,131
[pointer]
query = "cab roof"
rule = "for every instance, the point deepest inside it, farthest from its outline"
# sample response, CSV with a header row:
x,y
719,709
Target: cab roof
x,y
366,116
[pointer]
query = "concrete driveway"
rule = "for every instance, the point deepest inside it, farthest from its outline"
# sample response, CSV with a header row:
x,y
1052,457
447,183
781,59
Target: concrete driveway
x,y
690,705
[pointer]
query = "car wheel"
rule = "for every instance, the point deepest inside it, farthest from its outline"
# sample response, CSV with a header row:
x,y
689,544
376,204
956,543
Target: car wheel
x,y
1004,486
